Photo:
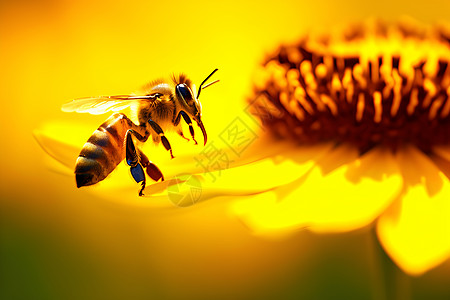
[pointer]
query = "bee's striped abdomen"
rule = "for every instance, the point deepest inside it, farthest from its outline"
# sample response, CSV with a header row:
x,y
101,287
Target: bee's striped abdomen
x,y
103,151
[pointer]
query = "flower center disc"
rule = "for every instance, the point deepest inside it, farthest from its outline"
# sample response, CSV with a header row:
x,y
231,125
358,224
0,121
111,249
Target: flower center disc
x,y
371,85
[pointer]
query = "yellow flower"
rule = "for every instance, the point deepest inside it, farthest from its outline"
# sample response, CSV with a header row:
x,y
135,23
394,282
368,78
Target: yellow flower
x,y
369,110
355,131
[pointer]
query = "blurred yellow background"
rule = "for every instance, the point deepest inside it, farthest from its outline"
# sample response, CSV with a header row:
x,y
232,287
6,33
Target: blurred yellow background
x,y
58,242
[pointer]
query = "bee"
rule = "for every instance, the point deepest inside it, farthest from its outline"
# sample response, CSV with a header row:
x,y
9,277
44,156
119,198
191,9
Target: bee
x,y
162,107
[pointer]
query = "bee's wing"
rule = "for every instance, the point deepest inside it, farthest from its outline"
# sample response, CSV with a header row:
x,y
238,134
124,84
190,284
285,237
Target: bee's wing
x,y
103,104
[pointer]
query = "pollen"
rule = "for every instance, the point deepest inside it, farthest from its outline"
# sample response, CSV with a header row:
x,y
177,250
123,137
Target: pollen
x,y
371,84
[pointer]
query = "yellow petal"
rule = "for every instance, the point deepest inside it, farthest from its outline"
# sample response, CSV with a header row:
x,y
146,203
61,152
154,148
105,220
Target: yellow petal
x,y
264,174
341,193
55,141
415,231
246,179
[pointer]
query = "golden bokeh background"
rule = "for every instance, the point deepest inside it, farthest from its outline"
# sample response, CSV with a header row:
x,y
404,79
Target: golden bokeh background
x,y
58,242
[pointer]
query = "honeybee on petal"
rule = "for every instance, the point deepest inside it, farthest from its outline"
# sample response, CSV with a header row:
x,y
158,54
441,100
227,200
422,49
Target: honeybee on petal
x,y
162,107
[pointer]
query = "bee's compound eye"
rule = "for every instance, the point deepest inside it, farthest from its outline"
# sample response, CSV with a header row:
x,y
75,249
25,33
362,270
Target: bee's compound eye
x,y
184,92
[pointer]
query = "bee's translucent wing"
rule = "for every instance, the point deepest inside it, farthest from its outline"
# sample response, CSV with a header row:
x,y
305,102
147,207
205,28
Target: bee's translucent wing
x,y
103,104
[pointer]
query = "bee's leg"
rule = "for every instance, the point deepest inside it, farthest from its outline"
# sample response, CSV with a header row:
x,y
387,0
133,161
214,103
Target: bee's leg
x,y
159,131
180,132
152,170
133,160
176,123
139,131
189,122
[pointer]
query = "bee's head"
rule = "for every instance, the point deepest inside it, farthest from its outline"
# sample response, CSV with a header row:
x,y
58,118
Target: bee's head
x,y
186,97
189,102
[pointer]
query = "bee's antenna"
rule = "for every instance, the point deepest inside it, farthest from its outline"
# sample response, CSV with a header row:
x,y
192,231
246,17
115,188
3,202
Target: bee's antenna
x,y
209,84
203,82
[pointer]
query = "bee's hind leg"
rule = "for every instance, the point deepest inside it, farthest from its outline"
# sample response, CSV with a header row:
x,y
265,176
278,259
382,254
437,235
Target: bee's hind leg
x,y
137,161
133,160
151,169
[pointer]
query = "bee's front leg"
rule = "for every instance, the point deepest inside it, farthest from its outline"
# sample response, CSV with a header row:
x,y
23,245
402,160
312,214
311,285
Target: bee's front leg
x,y
176,123
189,122
180,132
